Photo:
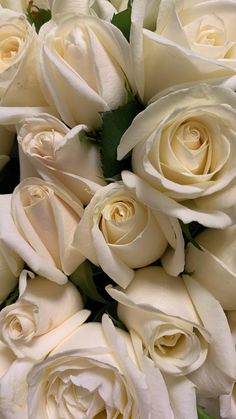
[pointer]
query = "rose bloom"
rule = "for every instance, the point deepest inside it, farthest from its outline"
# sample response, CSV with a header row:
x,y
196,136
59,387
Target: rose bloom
x,y
195,38
214,266
57,154
123,234
94,374
42,317
38,223
84,67
183,155
22,5
34,324
181,326
18,79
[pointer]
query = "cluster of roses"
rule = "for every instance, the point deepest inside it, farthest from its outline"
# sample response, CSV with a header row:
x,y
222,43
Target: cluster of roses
x,y
178,305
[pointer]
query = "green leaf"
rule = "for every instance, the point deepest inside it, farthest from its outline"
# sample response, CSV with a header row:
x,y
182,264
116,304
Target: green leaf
x,y
83,137
115,123
202,413
83,278
37,16
122,21
12,297
111,310
188,235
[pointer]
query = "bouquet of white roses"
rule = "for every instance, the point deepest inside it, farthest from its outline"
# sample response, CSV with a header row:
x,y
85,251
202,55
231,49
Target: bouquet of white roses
x,y
117,209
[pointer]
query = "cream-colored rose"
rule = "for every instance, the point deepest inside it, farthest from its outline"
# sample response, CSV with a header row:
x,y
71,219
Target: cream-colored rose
x,y
123,234
183,155
181,326
215,266
18,79
47,217
49,149
85,67
22,5
38,222
93,374
42,315
195,38
104,9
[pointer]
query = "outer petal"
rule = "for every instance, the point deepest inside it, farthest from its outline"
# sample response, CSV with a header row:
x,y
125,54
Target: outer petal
x,y
182,397
214,267
218,371
159,201
11,238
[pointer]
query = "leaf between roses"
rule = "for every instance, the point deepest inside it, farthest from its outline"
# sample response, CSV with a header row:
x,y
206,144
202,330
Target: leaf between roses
x,y
83,278
188,235
122,21
202,414
11,298
115,123
36,16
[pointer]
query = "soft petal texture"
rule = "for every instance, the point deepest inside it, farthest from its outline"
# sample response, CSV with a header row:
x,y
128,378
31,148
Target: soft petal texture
x,y
182,158
170,328
197,39
47,217
18,77
41,307
11,238
98,359
228,405
219,370
182,327
7,358
123,234
59,155
14,390
22,5
182,397
214,267
84,66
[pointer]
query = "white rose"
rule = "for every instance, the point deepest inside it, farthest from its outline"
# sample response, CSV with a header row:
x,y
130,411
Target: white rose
x,y
40,227
183,155
123,234
195,38
104,9
228,401
181,326
22,5
18,79
47,217
56,153
98,365
42,315
84,65
214,267
7,358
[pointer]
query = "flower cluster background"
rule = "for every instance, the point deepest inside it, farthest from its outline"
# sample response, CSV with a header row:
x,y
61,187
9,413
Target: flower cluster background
x,y
117,209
